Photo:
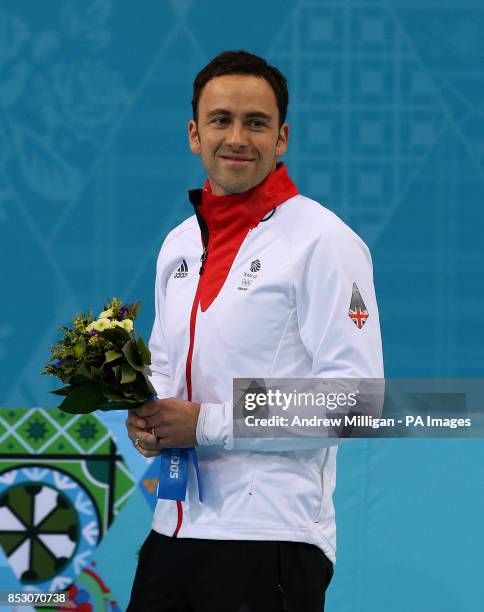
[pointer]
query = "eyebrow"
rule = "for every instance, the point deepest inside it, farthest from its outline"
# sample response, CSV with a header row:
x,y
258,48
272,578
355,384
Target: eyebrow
x,y
224,111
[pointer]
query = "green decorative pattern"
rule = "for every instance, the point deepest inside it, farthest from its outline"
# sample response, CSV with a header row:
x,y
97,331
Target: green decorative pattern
x,y
48,535
68,467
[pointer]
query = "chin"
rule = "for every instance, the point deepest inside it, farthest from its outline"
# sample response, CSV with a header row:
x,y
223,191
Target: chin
x,y
231,186
233,189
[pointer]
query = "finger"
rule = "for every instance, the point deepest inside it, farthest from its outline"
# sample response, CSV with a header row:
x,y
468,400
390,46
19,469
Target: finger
x,y
148,453
140,445
163,431
147,410
154,421
148,439
136,422
134,431
148,436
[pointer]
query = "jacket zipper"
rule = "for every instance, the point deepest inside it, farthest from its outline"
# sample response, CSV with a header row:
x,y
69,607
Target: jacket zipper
x,y
203,258
188,367
193,318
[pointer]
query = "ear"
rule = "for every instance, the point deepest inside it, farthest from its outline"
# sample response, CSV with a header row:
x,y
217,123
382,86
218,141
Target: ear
x,y
193,137
283,140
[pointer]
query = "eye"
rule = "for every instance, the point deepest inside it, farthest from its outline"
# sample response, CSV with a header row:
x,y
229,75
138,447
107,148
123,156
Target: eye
x,y
257,123
220,120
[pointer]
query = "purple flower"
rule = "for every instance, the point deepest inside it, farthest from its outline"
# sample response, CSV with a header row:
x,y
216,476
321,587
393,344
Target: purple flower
x,y
92,333
59,362
123,311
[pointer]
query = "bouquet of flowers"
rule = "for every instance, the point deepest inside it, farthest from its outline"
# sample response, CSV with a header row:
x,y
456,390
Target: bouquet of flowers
x,y
102,362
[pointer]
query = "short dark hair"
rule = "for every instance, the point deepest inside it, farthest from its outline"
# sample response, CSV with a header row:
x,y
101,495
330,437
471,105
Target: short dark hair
x,y
242,62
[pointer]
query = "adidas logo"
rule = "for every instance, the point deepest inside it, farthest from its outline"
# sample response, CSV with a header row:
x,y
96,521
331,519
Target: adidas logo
x,y
182,271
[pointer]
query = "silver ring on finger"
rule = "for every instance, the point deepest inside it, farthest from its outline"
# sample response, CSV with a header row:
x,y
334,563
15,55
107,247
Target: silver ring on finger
x,y
153,430
137,442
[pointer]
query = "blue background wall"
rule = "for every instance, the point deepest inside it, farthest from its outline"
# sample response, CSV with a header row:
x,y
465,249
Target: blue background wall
x,y
387,118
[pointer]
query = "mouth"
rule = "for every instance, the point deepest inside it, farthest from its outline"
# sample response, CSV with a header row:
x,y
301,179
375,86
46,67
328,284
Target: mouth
x,y
238,161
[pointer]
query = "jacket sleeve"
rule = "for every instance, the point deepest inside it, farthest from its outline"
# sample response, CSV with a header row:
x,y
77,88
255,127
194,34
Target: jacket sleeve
x,y
160,371
326,279
324,276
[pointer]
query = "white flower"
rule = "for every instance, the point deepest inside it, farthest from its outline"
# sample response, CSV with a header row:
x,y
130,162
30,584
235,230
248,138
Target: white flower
x,y
126,324
102,324
106,314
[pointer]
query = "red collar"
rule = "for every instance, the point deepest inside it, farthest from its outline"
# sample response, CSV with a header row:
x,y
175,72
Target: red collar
x,y
226,220
246,209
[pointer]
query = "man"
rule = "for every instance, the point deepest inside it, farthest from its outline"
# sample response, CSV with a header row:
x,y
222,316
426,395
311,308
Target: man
x,y
270,298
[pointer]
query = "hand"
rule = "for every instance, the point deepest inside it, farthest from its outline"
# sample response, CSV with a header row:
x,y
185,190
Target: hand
x,y
166,423
144,441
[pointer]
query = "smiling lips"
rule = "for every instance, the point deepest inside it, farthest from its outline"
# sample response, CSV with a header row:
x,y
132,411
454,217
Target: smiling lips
x,y
236,160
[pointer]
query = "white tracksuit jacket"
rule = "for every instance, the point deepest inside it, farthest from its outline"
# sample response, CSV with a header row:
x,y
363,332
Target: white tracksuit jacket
x,y
290,318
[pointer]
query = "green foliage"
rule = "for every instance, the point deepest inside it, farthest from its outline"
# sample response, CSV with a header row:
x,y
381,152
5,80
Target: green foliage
x,y
117,336
101,362
133,357
80,348
96,373
83,400
63,391
111,356
144,351
127,374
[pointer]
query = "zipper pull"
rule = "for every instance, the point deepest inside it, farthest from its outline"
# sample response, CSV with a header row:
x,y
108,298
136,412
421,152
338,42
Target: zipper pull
x,y
203,258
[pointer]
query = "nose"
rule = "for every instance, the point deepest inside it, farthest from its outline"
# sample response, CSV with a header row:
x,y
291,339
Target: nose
x,y
235,136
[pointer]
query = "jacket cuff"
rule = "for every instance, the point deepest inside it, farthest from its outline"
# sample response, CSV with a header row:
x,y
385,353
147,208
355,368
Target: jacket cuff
x,y
215,425
162,387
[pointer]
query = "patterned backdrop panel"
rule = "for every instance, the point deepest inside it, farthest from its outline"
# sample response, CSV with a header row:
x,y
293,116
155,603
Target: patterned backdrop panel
x,y
62,484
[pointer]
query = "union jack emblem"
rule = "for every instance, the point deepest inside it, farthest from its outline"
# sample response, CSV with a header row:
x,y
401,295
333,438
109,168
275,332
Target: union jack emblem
x,y
357,312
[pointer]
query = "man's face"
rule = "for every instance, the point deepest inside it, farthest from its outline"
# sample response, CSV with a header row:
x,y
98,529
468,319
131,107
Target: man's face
x,y
237,133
